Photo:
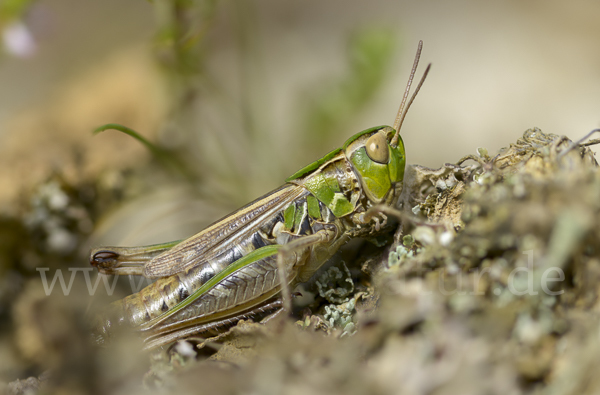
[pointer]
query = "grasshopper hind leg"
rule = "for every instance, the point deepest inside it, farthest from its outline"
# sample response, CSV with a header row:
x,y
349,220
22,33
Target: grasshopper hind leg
x,y
286,262
214,331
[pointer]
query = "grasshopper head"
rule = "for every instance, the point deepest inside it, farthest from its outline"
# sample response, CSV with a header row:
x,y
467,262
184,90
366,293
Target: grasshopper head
x,y
378,162
377,154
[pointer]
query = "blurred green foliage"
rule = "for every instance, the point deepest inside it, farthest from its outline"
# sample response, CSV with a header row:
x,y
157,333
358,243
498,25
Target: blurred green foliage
x,y
167,159
332,105
182,47
179,45
13,9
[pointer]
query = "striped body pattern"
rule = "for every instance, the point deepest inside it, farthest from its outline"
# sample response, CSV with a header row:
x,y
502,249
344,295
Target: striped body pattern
x,y
328,199
336,185
238,266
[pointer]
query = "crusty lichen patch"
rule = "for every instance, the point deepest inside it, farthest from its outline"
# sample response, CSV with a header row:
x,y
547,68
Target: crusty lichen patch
x,y
517,273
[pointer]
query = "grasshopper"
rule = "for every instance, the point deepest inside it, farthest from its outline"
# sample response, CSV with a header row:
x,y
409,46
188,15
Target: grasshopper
x,y
244,264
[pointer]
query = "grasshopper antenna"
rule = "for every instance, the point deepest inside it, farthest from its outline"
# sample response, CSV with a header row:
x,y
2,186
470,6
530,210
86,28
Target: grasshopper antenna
x,y
402,111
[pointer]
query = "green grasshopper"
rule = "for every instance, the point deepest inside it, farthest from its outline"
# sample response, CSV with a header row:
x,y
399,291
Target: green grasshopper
x,y
244,264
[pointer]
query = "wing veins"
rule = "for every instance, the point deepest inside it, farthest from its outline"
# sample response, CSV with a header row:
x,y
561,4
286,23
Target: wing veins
x,y
213,240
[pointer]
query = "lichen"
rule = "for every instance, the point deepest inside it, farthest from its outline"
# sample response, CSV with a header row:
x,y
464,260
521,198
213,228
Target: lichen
x,y
335,285
342,315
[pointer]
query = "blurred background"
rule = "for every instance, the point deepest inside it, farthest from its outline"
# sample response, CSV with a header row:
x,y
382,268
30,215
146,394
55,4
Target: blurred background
x,y
246,93
236,96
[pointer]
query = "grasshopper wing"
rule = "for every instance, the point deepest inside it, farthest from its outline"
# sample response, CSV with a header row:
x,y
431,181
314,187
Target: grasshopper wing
x,y
222,235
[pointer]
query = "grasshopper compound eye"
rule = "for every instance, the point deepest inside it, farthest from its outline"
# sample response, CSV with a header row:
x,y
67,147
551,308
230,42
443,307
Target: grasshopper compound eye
x,y
377,148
